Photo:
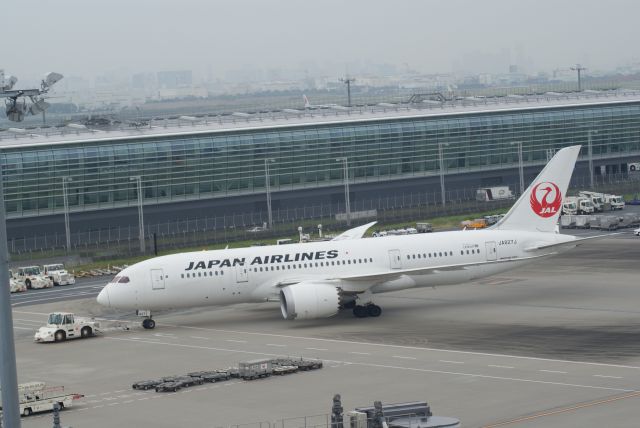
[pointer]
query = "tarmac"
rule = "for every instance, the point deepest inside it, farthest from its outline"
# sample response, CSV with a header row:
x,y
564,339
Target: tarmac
x,y
555,343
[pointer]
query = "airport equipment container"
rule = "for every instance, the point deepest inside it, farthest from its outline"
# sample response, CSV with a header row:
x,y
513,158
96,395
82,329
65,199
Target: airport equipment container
x,y
567,221
609,222
255,369
582,221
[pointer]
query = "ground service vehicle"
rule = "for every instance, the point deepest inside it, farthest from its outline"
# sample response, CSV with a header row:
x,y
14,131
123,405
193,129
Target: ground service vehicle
x,y
63,325
424,227
255,369
596,200
16,286
146,384
616,201
32,277
494,193
569,208
636,231
58,274
37,397
583,205
170,386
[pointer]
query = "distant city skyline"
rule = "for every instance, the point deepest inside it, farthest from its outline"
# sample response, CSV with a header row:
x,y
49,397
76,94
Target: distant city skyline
x,y
219,39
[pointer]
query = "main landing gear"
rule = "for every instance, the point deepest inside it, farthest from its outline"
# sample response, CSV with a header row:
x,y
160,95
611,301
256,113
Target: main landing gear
x,y
369,310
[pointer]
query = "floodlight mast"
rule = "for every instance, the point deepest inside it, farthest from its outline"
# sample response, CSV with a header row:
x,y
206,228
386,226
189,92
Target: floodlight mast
x,y
348,81
579,68
15,111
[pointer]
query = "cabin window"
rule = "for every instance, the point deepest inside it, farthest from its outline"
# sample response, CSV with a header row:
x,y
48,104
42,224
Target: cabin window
x,y
408,257
221,272
451,253
181,275
371,260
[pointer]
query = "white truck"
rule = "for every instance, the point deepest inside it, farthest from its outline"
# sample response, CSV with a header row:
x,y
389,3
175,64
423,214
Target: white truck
x,y
604,201
577,205
16,286
596,200
32,277
494,193
37,397
64,325
58,274
616,201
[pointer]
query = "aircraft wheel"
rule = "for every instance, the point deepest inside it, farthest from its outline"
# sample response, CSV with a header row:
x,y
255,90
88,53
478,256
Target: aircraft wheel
x,y
374,310
149,324
349,305
360,312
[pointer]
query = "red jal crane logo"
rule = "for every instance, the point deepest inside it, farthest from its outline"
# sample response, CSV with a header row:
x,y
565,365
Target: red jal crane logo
x,y
546,199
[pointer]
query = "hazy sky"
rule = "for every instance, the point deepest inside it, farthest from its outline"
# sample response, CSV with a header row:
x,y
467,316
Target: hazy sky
x,y
86,37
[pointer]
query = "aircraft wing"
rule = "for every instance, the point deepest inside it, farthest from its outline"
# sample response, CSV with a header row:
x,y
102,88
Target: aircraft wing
x,y
355,233
395,273
570,244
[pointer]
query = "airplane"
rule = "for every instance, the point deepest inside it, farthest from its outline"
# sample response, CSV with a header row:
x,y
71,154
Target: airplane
x,y
309,106
317,280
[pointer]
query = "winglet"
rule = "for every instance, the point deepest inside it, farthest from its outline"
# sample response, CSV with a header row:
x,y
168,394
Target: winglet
x,y
538,208
355,233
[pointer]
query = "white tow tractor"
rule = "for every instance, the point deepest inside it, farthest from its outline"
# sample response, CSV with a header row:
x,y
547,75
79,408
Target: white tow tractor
x,y
63,325
32,277
37,397
58,274
16,286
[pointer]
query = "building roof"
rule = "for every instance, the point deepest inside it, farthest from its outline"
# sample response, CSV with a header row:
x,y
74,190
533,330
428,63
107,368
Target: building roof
x,y
291,118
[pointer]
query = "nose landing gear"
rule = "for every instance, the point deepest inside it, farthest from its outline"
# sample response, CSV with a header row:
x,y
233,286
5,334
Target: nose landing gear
x,y
148,323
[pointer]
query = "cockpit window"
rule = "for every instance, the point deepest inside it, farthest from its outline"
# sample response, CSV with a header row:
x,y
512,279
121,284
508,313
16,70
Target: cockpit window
x,y
120,279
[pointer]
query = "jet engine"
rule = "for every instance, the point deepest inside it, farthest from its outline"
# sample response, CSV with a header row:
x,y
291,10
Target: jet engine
x,y
309,300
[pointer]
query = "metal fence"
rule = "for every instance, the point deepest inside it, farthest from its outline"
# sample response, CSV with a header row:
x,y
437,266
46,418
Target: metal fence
x,y
115,242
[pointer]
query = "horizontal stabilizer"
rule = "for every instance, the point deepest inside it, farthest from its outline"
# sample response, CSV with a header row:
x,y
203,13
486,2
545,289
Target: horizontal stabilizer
x,y
571,244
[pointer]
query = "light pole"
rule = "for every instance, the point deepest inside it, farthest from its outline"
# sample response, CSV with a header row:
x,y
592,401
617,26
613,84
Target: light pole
x,y
138,180
441,161
579,69
345,173
589,132
267,185
65,199
520,165
8,371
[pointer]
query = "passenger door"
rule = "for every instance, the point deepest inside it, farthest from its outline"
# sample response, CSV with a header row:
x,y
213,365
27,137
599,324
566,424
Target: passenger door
x,y
491,251
395,260
242,274
157,279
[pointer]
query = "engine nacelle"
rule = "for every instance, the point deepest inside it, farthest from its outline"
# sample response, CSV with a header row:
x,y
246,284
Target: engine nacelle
x,y
309,300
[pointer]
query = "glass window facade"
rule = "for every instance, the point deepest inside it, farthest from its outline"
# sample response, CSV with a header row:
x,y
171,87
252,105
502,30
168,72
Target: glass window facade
x,y
232,163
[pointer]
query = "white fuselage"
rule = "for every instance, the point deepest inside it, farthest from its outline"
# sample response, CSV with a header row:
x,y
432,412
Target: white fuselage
x,y
257,274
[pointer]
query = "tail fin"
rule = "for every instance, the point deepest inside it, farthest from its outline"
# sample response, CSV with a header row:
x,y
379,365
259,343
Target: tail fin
x,y
539,206
307,104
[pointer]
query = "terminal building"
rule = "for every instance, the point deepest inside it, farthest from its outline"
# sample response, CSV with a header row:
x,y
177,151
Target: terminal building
x,y
204,166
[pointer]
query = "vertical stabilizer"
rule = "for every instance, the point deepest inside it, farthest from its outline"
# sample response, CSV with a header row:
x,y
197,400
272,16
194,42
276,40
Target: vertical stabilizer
x,y
537,210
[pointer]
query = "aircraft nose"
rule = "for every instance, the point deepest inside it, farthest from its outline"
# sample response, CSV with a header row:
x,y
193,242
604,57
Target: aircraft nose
x,y
103,297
